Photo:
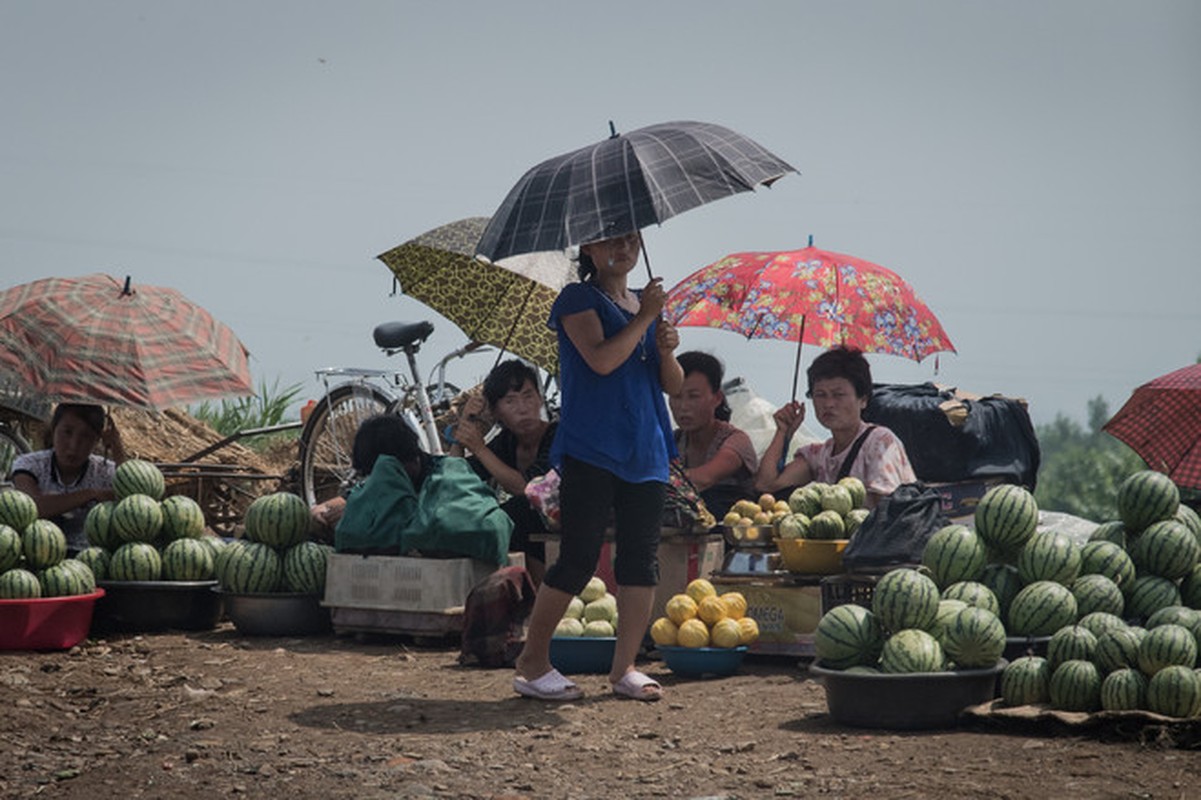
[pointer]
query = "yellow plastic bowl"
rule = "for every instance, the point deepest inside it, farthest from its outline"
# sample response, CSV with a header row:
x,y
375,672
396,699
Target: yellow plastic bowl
x,y
813,556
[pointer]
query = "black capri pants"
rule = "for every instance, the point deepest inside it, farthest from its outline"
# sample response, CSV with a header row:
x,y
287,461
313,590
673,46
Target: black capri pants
x,y
588,498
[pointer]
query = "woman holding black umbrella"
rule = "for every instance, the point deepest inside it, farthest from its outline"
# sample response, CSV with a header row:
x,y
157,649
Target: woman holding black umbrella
x,y
612,449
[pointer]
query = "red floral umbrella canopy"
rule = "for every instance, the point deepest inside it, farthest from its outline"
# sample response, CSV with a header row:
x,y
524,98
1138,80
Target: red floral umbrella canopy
x,y
95,340
1162,423
833,298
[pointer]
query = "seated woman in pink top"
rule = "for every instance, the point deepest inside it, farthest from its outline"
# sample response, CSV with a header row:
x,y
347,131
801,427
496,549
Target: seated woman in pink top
x,y
840,385
718,458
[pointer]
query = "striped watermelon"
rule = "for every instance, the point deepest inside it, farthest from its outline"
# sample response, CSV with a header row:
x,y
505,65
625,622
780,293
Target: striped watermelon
x,y
1124,690
182,517
954,553
1041,608
86,576
826,525
1190,518
60,581
137,518
1100,621
280,519
1118,649
974,594
1006,517
137,476
43,544
1175,691
947,609
1167,549
10,547
1146,497
1076,686
1113,531
17,509
19,584
1165,646
254,568
911,650
1190,588
96,559
135,561
98,526
1069,643
304,567
1110,560
846,636
974,638
1049,556
222,557
1026,680
1148,594
1173,615
187,560
1097,593
1004,582
904,598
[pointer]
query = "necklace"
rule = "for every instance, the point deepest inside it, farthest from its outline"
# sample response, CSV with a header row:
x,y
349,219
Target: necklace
x,y
625,313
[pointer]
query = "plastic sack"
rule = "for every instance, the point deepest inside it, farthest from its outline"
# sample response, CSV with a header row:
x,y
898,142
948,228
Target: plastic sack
x,y
896,531
752,414
543,493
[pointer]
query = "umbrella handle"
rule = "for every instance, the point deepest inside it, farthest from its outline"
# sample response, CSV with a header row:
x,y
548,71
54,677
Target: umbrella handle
x,y
796,369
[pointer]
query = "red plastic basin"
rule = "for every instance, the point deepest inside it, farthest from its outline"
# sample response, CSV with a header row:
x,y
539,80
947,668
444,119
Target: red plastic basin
x,y
46,623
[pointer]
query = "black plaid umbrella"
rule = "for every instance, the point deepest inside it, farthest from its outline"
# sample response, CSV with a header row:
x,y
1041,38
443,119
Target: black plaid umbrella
x,y
624,184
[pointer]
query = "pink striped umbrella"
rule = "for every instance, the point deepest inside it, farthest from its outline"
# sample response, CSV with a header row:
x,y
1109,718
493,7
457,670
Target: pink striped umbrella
x,y
1162,423
92,340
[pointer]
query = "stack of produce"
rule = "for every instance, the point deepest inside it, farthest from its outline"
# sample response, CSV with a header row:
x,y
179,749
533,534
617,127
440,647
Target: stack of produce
x,y
767,510
33,552
700,617
592,613
825,511
276,554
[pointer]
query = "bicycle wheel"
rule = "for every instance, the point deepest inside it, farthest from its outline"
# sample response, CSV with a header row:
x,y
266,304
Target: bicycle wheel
x,y
12,444
328,436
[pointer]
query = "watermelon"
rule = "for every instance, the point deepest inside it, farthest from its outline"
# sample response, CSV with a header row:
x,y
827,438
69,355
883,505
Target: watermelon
x,y
19,584
911,650
1167,549
854,518
1148,594
1110,560
1006,517
10,547
1190,518
98,526
304,568
1124,690
254,568
1049,556
974,638
1175,691
1069,643
947,609
1146,497
187,560
954,553
857,489
826,525
137,476
1165,646
974,594
1004,582
135,561
222,556
1190,588
1026,680
1098,593
280,519
86,576
846,636
806,501
59,581
1041,608
1100,621
904,598
96,559
182,518
838,499
43,544
137,518
1173,615
17,509
1113,532
1076,686
1117,649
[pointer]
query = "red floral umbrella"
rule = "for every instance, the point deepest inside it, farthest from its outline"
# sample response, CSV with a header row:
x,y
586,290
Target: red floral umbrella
x,y
94,340
1162,423
809,295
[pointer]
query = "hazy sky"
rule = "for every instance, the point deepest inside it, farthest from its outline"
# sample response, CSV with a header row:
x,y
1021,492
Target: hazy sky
x,y
1032,168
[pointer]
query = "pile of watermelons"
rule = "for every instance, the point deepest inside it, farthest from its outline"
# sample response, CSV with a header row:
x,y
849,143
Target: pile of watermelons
x,y
1119,610
276,554
33,554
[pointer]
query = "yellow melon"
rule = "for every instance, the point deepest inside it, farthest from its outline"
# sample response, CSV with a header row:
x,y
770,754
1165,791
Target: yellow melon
x,y
726,633
664,631
749,630
699,589
735,604
680,608
711,609
693,633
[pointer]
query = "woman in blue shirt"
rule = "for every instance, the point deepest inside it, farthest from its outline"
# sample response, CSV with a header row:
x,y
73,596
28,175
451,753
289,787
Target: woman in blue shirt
x,y
612,449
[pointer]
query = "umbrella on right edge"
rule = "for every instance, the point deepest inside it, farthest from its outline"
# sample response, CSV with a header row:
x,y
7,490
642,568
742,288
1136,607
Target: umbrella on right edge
x,y
1162,423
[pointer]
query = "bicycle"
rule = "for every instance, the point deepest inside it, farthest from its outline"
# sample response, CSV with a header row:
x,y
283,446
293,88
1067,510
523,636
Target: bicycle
x,y
327,437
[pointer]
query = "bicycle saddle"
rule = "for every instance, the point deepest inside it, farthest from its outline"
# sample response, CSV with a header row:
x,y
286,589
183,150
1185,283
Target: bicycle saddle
x,y
399,335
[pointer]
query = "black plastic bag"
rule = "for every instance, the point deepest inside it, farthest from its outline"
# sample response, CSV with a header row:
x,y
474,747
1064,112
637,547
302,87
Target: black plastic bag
x,y
897,530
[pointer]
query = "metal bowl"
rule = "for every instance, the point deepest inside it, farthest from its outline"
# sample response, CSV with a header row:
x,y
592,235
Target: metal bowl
x,y
157,605
276,614
749,535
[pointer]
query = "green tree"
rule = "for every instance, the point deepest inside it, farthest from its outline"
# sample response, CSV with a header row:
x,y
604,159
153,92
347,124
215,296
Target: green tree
x,y
1082,468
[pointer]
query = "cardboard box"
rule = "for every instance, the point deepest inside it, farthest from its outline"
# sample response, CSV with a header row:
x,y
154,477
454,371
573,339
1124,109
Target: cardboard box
x,y
787,615
401,584
961,498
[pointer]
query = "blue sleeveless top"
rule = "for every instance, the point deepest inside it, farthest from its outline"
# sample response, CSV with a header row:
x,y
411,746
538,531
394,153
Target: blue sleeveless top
x,y
619,421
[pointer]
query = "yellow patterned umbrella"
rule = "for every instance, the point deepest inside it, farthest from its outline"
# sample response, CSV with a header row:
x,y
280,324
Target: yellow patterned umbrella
x,y
505,304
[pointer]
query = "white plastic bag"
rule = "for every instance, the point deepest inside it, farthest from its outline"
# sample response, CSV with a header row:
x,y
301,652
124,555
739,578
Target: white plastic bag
x,y
752,414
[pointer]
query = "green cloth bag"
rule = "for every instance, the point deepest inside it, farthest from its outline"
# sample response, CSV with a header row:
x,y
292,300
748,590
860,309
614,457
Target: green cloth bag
x,y
377,511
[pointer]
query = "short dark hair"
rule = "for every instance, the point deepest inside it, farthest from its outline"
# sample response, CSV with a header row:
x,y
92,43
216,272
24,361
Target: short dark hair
x,y
709,366
508,376
383,435
842,362
92,415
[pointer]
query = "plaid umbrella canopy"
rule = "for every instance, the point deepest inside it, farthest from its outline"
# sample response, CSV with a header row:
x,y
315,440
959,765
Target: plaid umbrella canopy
x,y
625,183
1162,423
505,303
94,340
